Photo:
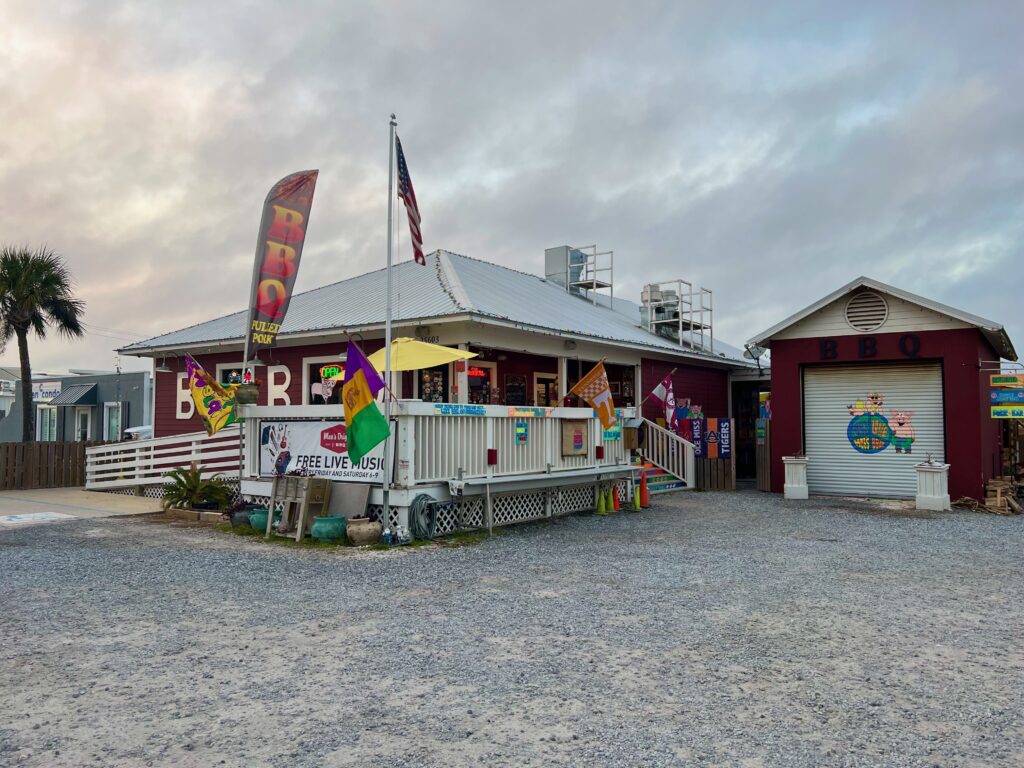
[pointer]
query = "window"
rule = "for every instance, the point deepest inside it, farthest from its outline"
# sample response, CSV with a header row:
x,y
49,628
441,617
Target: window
x,y
483,382
325,380
229,374
46,422
315,391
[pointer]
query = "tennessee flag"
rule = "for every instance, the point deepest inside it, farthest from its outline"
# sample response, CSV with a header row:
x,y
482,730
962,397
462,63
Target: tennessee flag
x,y
593,389
365,425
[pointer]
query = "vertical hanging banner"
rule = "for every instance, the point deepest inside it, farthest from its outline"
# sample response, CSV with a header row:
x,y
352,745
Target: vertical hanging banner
x,y
278,251
717,439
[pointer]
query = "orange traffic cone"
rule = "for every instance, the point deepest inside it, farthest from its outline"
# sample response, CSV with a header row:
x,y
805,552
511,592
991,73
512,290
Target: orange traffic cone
x,y
615,498
645,495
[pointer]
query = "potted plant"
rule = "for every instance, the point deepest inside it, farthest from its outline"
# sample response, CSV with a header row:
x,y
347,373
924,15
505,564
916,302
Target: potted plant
x,y
238,513
248,393
185,488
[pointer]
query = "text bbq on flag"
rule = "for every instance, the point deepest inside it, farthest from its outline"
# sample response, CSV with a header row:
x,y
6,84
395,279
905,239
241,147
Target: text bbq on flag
x,y
408,195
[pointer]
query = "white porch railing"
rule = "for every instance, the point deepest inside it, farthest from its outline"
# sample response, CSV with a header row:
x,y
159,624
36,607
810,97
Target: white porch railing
x,y
433,443
444,443
670,452
136,463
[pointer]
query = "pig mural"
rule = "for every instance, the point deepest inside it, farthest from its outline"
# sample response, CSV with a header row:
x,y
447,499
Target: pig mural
x,y
869,431
902,430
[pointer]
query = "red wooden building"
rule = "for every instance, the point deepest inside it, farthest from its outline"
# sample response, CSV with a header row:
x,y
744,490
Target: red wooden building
x,y
871,380
534,338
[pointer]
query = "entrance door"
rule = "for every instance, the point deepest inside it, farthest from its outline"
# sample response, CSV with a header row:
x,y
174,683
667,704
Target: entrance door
x,y
866,426
545,389
83,424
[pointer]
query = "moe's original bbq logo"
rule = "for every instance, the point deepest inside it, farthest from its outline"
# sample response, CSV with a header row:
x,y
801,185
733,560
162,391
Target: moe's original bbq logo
x,y
334,439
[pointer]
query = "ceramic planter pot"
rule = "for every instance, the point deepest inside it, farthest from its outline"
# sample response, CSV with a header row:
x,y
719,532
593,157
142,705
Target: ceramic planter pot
x,y
258,518
362,531
247,394
329,528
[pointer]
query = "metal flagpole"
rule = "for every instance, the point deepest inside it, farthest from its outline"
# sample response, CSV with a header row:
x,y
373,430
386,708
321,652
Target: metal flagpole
x,y
386,489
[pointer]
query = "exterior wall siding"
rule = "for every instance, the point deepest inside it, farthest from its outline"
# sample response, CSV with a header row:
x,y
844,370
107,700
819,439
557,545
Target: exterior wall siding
x,y
707,387
903,317
165,421
972,439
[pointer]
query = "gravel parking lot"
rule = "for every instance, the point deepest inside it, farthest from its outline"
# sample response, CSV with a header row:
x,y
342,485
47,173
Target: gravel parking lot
x,y
713,629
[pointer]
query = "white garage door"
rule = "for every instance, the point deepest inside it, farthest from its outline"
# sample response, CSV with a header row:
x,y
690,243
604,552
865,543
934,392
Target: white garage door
x,y
865,426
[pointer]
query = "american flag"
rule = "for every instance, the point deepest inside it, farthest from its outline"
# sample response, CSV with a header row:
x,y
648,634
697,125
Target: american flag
x,y
405,191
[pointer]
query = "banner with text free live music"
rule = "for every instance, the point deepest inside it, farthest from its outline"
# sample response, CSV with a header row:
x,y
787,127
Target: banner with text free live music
x,y
278,251
317,447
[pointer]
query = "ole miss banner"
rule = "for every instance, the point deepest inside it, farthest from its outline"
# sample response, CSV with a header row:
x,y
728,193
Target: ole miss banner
x,y
712,438
278,250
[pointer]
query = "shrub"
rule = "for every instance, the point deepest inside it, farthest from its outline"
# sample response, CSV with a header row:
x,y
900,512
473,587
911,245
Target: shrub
x,y
186,488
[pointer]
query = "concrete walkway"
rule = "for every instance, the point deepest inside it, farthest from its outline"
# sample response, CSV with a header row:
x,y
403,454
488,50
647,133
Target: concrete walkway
x,y
47,505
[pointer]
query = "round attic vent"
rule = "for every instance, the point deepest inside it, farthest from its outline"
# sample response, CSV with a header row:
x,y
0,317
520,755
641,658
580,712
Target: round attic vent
x,y
866,311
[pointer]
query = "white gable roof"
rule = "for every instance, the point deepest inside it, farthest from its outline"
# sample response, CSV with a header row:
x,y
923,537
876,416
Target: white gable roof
x,y
952,317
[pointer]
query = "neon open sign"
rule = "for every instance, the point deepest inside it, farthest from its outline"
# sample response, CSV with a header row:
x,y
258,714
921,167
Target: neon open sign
x,y
331,372
476,372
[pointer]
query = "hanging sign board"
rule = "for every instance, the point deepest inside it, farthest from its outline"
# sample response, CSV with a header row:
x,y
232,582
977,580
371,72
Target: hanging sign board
x,y
574,437
522,432
614,432
1014,380
319,447
1008,411
45,391
1007,395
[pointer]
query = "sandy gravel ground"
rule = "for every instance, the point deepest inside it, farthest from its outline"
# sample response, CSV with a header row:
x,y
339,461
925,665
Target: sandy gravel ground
x,y
715,629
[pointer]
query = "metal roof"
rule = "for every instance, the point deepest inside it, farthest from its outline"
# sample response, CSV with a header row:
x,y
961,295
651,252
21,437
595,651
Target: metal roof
x,y
76,394
990,329
451,285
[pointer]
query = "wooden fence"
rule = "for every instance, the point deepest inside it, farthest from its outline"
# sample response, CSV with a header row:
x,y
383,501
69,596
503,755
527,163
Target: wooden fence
x,y
764,455
24,466
716,475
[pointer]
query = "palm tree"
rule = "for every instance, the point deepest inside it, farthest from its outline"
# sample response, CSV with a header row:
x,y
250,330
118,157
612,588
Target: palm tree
x,y
35,292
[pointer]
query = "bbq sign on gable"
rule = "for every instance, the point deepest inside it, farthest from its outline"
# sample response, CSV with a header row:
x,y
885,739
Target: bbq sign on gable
x,y
319,447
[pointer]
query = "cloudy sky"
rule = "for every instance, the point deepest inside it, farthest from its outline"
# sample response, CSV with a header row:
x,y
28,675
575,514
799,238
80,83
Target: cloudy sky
x,y
769,151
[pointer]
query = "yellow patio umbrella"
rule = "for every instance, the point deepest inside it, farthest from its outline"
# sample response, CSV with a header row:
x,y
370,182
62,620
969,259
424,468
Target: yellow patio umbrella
x,y
412,355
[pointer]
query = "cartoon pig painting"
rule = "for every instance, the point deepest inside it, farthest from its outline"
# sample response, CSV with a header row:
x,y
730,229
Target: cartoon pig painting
x,y
902,430
875,401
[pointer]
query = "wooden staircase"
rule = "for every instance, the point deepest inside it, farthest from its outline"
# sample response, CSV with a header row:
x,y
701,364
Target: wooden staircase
x,y
667,459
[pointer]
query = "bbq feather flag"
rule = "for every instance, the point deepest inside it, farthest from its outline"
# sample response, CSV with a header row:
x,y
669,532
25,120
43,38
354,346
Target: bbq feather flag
x,y
365,425
594,390
405,191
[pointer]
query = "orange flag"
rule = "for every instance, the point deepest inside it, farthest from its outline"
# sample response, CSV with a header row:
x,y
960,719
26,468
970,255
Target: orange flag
x,y
594,390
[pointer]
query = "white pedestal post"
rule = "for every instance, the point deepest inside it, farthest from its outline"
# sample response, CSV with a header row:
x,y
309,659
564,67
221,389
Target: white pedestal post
x,y
932,486
796,477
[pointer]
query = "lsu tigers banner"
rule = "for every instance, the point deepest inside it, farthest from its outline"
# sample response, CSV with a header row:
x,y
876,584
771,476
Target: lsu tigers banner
x,y
215,403
278,251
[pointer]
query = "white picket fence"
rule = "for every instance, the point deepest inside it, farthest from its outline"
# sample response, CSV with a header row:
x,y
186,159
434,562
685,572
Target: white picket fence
x,y
140,463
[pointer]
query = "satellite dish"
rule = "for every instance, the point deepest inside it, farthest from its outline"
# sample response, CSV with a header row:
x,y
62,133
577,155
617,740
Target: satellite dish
x,y
753,351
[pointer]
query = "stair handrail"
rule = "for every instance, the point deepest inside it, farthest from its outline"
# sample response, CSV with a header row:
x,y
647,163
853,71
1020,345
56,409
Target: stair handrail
x,y
670,452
